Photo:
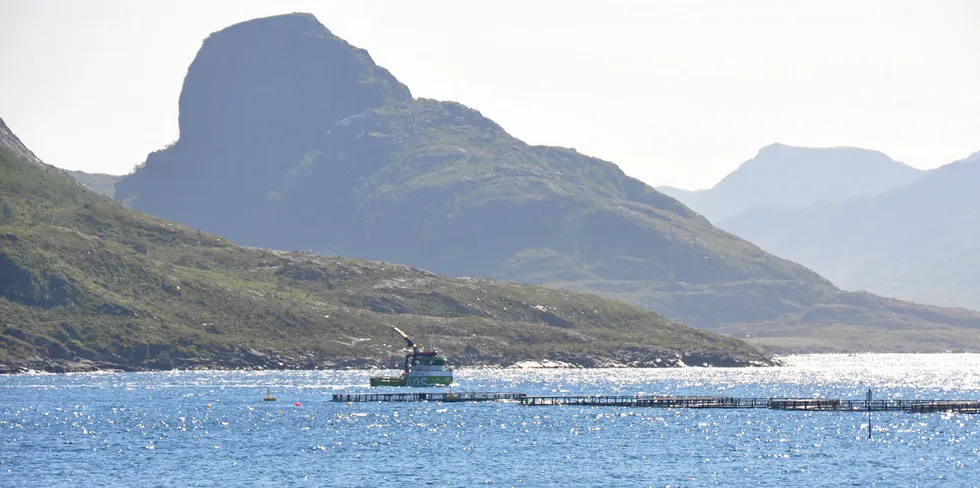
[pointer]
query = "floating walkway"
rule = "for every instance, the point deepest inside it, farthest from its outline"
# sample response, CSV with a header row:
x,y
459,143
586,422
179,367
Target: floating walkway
x,y
648,401
805,404
438,396
793,404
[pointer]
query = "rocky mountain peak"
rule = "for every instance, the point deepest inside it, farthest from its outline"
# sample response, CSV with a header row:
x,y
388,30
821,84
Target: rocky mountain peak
x,y
10,142
285,77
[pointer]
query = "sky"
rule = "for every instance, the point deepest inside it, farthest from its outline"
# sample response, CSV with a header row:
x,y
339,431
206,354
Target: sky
x,y
675,92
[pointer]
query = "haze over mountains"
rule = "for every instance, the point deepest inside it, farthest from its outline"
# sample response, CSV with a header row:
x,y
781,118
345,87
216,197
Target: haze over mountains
x,y
100,183
787,176
918,242
291,138
857,217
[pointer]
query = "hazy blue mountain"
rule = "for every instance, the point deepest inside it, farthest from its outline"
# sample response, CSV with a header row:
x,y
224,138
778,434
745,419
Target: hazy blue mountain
x,y
291,138
788,176
100,183
918,242
680,193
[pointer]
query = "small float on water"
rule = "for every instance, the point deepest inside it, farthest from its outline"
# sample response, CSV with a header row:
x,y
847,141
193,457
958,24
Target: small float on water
x,y
422,368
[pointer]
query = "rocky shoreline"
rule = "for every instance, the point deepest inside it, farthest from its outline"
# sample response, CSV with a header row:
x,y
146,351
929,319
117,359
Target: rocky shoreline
x,y
254,360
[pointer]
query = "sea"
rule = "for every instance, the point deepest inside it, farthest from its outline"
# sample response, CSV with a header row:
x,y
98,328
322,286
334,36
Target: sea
x,y
212,428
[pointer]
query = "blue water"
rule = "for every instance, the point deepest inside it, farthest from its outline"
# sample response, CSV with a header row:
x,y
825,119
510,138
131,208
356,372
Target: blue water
x,y
213,429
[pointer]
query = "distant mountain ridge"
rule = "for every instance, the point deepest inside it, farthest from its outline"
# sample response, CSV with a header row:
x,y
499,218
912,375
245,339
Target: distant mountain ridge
x,y
100,183
786,176
891,229
919,242
371,172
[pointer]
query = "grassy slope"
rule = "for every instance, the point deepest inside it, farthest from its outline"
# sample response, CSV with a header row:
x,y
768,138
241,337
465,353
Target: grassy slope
x,y
85,277
424,151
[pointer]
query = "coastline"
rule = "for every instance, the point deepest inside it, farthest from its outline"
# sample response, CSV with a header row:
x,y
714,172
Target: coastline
x,y
253,360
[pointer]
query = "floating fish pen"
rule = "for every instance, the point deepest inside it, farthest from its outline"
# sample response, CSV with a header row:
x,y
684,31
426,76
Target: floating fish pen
x,y
810,404
908,406
929,406
645,401
471,396
649,401
794,404
699,402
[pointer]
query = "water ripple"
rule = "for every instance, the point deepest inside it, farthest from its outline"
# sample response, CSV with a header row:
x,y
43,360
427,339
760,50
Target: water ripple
x,y
212,429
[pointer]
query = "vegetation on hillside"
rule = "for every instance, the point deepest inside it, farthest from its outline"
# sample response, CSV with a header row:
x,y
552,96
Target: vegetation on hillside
x,y
86,282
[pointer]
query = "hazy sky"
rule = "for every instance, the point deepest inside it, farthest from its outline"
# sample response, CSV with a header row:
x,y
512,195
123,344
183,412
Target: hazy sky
x,y
675,92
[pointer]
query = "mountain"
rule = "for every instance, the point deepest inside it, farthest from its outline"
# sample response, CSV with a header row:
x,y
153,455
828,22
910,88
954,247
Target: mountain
x,y
100,183
680,194
291,138
919,242
86,283
787,176
11,143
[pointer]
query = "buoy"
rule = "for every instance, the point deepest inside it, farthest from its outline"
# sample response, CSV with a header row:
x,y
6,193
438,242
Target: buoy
x,y
297,404
268,395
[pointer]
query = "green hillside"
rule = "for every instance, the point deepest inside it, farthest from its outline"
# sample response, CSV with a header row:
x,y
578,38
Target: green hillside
x,y
87,283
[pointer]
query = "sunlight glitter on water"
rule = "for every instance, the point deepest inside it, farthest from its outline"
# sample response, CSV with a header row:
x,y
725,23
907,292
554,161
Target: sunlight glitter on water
x,y
800,375
211,428
857,372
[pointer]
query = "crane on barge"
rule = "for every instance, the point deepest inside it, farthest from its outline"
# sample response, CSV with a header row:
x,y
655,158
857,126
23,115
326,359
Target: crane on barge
x,y
422,368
